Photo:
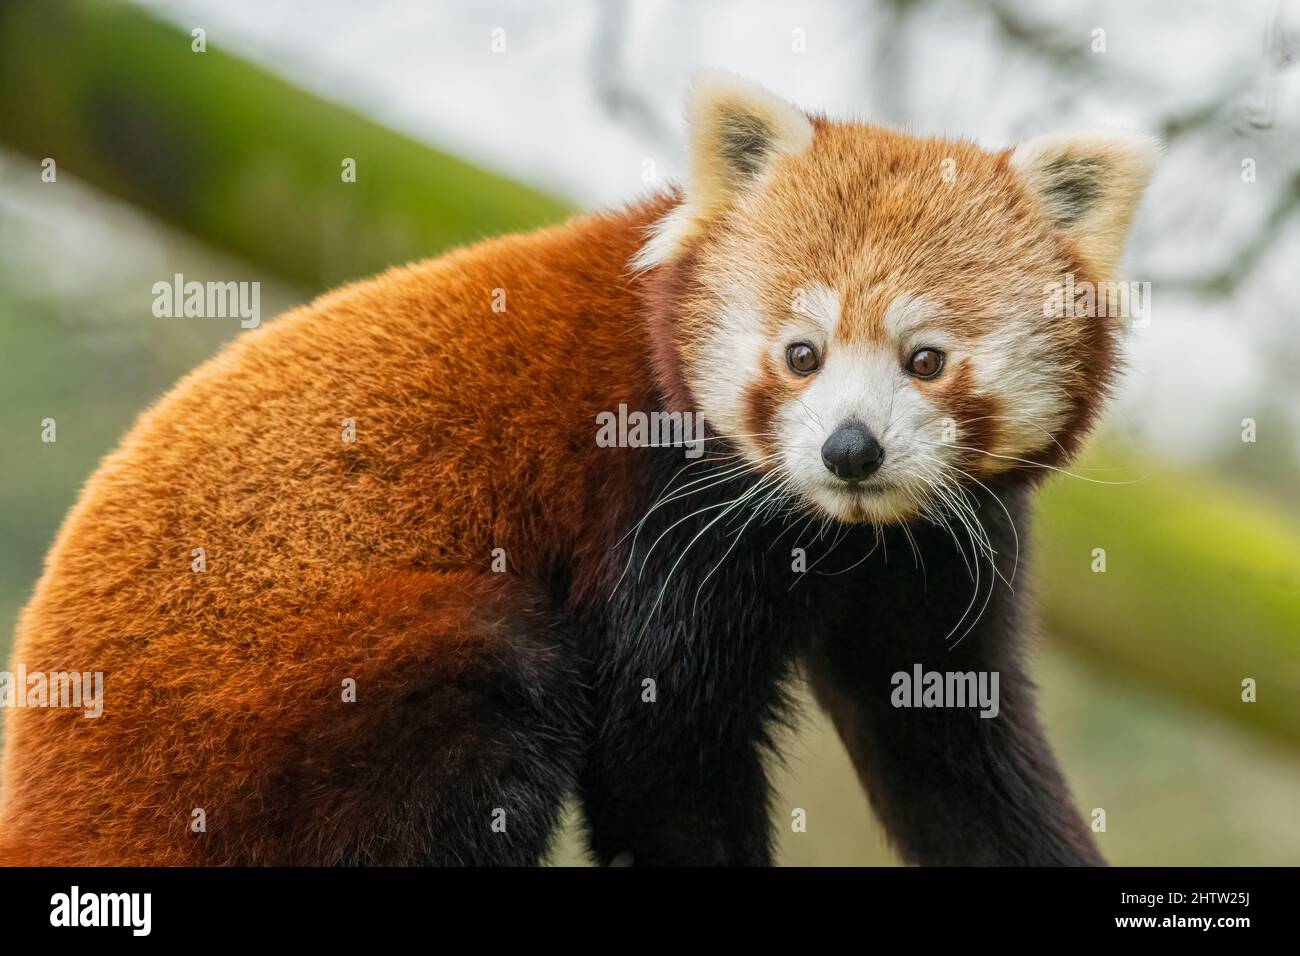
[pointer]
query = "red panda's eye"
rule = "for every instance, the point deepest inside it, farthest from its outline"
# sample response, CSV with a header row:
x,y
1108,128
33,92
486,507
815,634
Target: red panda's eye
x,y
925,363
802,358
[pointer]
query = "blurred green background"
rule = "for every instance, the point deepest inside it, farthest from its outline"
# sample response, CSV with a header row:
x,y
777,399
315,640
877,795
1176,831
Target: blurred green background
x,y
169,162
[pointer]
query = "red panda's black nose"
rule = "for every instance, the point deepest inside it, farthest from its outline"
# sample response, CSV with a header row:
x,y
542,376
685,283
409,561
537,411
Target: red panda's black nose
x,y
852,452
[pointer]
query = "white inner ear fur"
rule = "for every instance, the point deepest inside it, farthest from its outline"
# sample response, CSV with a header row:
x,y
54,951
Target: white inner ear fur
x,y
1090,184
738,131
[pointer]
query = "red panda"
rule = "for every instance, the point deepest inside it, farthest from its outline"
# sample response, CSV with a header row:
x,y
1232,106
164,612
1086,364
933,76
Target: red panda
x,y
365,589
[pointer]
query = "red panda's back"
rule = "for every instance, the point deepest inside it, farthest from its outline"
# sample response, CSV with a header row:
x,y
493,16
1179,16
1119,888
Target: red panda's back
x,y
411,423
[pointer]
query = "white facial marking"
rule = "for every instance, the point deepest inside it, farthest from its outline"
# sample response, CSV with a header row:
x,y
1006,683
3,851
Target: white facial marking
x,y
914,321
819,304
1018,363
1014,362
731,360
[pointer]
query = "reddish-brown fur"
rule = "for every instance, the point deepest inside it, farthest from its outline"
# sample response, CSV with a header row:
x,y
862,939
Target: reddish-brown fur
x,y
325,560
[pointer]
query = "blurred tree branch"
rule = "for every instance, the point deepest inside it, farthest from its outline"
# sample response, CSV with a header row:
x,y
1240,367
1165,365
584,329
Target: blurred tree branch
x,y
618,97
1221,116
1242,262
233,154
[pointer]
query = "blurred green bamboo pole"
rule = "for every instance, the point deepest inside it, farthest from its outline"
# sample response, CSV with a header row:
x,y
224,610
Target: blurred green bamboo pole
x,y
229,152
1201,587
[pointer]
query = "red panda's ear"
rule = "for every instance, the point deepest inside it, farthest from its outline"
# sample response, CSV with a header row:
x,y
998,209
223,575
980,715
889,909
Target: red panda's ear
x,y
737,130
1089,184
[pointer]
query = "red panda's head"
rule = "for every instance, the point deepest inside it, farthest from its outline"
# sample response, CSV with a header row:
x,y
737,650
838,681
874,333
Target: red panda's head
x,y
874,316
